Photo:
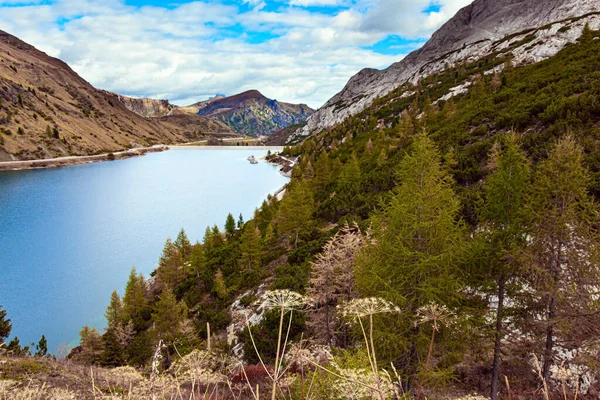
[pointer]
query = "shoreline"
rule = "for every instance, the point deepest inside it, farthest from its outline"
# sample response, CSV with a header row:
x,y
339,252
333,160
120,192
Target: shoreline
x,y
58,162
24,165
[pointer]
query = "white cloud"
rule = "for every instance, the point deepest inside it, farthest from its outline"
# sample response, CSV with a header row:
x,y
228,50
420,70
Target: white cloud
x,y
191,51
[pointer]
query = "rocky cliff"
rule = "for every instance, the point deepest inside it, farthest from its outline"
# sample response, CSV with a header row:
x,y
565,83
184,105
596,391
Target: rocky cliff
x,y
528,30
147,108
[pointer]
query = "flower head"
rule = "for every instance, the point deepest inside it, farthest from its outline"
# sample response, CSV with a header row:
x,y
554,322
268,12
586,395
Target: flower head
x,y
433,312
282,299
358,308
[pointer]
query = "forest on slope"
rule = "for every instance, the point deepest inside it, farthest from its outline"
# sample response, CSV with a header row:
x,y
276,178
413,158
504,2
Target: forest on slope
x,y
424,248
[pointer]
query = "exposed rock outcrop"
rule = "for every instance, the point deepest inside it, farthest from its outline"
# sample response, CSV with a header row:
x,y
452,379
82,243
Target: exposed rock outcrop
x,y
483,27
147,108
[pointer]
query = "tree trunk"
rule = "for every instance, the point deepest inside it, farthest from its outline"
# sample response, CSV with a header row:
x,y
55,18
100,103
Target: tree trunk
x,y
497,346
548,359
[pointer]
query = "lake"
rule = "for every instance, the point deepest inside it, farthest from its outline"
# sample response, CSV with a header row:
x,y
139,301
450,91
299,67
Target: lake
x,y
69,236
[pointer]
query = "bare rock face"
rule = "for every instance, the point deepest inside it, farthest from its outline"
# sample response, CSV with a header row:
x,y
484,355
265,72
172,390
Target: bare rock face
x,y
147,108
474,32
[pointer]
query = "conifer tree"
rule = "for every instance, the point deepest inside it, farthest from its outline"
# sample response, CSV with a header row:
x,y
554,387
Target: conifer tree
x,y
5,326
503,216
197,261
170,266
250,247
168,316
230,224
332,281
134,299
183,244
416,257
42,347
240,222
219,288
563,247
322,172
114,311
295,211
350,173
91,345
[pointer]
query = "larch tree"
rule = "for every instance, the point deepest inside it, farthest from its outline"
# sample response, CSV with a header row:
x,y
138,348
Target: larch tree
x,y
251,248
5,326
295,211
503,231
183,244
332,282
415,261
134,299
563,250
114,311
170,269
168,316
230,224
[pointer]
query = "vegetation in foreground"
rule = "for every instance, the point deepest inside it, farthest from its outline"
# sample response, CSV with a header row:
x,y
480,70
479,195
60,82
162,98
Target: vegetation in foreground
x,y
421,250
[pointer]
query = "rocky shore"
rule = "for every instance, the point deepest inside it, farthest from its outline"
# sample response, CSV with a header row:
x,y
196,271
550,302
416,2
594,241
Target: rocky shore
x,y
75,160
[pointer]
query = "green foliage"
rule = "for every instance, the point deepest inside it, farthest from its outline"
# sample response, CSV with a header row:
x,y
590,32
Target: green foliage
x,y
114,311
5,326
42,347
168,316
134,299
230,224
418,252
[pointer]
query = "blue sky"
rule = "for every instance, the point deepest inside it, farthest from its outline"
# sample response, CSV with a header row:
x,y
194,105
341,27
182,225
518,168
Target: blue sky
x,y
292,50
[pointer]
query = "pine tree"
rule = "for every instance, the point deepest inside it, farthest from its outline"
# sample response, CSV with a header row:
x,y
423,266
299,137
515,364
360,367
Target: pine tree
x,y
503,216
219,288
240,222
134,299
563,247
230,224
415,259
114,311
91,345
322,173
5,326
183,244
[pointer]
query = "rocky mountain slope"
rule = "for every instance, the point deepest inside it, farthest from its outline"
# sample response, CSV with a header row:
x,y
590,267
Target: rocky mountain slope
x,y
528,30
148,108
250,113
47,110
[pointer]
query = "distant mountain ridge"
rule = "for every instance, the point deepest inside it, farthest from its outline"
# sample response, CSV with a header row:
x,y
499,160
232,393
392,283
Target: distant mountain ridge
x,y
47,110
475,31
250,113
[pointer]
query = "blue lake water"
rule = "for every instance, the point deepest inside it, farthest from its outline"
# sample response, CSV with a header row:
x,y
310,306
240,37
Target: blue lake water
x,y
69,236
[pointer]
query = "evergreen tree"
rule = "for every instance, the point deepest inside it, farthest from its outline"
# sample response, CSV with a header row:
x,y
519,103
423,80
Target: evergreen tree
x,y
168,316
295,211
114,311
230,224
134,299
250,247
322,172
91,346
563,248
415,259
14,348
220,288
240,222
183,244
197,261
170,269
42,347
5,326
503,216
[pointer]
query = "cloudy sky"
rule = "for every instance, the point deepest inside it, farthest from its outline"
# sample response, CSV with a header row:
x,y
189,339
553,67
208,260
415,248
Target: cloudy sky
x,y
300,51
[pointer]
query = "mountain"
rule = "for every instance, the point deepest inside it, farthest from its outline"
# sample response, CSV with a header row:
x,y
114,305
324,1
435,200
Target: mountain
x,y
148,108
527,30
47,110
251,113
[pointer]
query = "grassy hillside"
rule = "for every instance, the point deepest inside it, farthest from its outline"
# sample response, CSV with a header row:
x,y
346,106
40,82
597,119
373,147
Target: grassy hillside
x,y
47,110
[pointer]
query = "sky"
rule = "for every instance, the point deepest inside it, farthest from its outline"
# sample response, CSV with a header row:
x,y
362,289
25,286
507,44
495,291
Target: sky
x,y
298,51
